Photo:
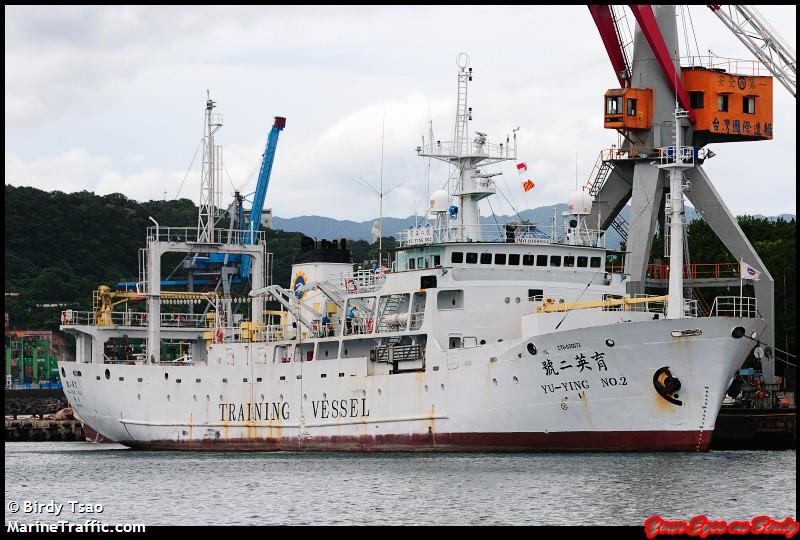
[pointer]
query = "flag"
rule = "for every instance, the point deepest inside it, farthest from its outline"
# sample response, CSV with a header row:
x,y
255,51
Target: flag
x,y
748,272
527,183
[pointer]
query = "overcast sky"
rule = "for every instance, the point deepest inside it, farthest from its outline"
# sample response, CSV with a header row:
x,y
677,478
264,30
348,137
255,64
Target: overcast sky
x,y
111,99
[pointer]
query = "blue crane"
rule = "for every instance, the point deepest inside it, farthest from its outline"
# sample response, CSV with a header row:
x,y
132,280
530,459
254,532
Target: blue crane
x,y
261,190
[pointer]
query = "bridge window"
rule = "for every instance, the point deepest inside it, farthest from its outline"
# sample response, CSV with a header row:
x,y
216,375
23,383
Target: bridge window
x,y
631,107
472,258
456,257
527,260
541,260
513,259
420,262
749,105
555,260
437,260
411,264
569,261
613,104
486,258
583,262
722,103
499,258
697,100
595,262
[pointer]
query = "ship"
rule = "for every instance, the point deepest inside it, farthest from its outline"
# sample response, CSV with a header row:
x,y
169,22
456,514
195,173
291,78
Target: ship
x,y
514,337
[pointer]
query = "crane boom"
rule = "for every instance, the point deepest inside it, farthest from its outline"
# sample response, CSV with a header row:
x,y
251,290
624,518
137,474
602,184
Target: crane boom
x,y
761,39
261,189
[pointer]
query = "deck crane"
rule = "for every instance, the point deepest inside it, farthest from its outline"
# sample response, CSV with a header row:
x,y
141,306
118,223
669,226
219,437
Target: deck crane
x,y
261,190
200,262
761,39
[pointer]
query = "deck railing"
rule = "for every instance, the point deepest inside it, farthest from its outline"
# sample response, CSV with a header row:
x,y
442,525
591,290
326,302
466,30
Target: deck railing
x,y
690,271
191,235
735,306
133,318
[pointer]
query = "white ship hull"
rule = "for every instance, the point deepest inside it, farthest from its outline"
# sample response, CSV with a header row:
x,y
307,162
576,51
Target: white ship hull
x,y
493,397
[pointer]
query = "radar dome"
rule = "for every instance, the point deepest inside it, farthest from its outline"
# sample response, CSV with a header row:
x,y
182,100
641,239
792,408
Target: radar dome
x,y
580,202
440,201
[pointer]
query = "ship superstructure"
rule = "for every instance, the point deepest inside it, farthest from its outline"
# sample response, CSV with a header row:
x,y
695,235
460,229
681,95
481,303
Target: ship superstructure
x,y
513,337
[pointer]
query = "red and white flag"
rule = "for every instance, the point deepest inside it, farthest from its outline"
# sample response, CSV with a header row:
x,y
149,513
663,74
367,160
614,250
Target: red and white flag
x,y
527,183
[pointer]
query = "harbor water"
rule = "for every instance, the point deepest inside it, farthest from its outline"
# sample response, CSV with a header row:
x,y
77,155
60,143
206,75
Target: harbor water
x,y
186,488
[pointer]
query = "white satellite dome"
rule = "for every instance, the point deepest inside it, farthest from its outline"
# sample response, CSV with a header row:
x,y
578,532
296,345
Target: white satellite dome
x,y
580,202
440,201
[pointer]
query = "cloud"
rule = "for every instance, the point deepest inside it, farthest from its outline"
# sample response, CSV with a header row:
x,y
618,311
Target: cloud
x,y
111,99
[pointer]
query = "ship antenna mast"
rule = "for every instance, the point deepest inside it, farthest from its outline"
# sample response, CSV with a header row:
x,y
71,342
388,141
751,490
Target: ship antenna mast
x,y
208,186
471,186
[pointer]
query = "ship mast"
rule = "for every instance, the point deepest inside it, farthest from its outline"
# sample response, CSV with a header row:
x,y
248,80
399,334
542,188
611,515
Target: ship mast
x,y
471,186
208,187
676,159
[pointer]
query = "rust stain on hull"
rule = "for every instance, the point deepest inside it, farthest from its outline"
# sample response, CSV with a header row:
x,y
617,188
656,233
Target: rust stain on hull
x,y
577,441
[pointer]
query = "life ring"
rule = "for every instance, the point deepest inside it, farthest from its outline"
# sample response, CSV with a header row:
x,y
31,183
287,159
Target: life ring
x,y
220,335
369,326
350,285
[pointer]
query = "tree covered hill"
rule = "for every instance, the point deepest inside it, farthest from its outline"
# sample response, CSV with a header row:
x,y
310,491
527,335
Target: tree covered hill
x,y
59,247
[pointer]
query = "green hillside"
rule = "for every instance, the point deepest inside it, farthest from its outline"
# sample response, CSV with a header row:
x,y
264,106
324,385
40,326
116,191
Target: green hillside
x,y
59,247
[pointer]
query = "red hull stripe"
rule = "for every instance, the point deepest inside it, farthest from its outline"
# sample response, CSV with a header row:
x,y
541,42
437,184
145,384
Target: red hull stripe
x,y
581,441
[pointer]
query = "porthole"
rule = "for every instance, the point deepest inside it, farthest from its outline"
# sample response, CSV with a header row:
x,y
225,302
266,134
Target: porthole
x,y
108,374
166,376
379,391
507,300
139,397
324,395
483,342
610,342
208,398
737,333
363,393
167,397
220,398
63,373
281,397
442,386
494,382
517,300
305,397
194,397
531,349
426,387
262,397
516,381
